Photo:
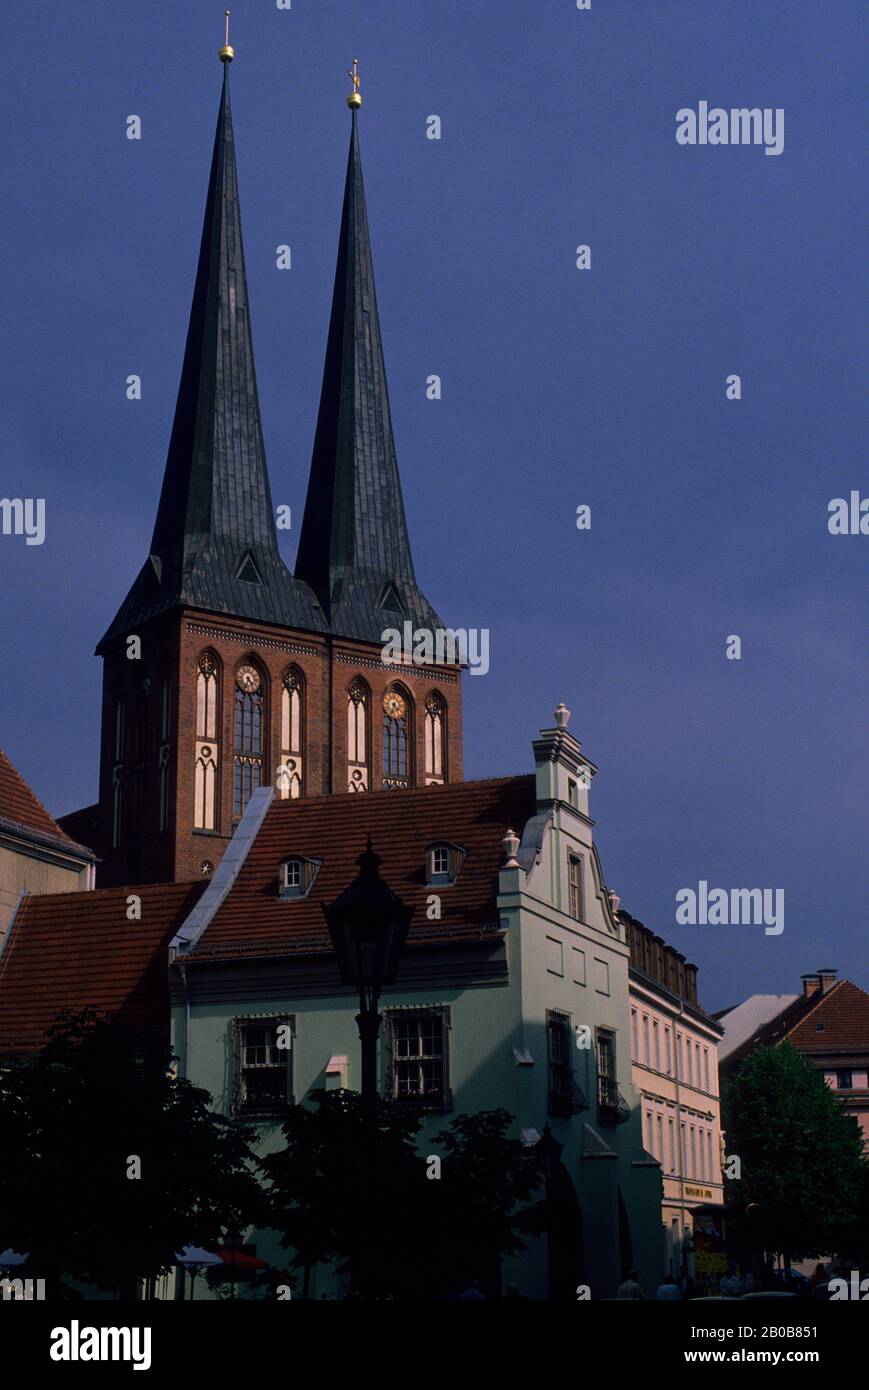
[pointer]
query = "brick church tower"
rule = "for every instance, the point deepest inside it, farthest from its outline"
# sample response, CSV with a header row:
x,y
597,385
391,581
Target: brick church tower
x,y
223,671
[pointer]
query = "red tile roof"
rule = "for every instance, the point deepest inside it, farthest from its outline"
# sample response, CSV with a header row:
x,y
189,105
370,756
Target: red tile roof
x,y
68,950
254,920
844,1012
19,806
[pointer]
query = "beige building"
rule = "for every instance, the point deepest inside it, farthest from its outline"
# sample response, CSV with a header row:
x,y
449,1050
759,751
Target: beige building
x,y
35,854
674,1055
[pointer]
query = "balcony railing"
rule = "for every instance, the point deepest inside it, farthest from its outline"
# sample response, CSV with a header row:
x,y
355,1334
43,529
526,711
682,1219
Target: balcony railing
x,y
612,1108
566,1098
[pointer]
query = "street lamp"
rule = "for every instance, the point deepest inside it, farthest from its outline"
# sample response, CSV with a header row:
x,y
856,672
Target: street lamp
x,y
368,925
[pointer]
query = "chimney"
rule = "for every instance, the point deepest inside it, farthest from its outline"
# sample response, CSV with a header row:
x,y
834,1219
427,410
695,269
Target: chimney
x,y
826,979
811,985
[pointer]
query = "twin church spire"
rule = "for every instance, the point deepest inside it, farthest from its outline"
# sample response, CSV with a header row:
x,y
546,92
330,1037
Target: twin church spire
x,y
214,545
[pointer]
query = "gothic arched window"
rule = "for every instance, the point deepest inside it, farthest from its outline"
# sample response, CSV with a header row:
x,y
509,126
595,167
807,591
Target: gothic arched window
x,y
249,736
118,775
396,739
165,735
289,778
207,745
357,737
435,739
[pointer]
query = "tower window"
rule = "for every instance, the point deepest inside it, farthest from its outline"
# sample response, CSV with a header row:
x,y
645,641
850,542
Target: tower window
x,y
249,737
163,762
289,778
206,747
435,727
118,776
396,755
357,737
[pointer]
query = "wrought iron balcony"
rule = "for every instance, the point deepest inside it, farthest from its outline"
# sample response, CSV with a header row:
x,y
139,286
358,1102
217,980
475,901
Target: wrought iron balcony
x,y
566,1098
612,1108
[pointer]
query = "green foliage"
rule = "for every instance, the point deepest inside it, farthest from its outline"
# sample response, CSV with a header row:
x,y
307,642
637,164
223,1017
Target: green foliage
x,y
334,1199
802,1158
71,1117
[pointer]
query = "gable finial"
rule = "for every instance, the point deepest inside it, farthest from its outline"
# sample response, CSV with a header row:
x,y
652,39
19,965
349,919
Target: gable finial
x,y
227,53
354,101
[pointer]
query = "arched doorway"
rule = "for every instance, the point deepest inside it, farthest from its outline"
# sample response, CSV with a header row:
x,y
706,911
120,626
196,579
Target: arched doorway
x,y
626,1248
564,1237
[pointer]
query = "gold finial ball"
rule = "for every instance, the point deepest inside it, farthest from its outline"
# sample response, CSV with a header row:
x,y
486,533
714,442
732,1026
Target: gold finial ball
x,y
227,53
354,101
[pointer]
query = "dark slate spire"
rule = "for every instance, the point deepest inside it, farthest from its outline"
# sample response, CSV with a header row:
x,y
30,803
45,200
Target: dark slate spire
x,y
215,545
354,549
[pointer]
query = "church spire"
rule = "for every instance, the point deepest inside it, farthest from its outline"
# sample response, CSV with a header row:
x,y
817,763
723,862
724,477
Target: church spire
x,y
354,549
214,545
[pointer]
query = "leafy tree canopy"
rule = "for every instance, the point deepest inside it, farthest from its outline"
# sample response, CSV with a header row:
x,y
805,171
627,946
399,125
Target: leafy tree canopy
x,y
74,1118
802,1154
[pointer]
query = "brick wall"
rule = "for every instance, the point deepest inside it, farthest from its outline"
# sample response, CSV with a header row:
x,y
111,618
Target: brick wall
x,y
171,649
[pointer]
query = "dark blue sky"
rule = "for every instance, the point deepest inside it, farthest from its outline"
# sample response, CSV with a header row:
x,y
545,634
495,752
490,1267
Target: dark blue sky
x,y
560,387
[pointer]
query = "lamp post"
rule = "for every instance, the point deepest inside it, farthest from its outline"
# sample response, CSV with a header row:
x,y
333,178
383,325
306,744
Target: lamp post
x,y
368,924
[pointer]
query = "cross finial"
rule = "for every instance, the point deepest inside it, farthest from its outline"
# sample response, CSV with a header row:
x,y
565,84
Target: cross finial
x,y
354,101
227,53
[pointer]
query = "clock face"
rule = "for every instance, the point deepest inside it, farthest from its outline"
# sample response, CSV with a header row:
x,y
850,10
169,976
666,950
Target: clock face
x,y
393,705
248,679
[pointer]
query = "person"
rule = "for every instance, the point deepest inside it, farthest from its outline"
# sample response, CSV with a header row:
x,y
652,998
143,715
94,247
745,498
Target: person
x,y
668,1290
630,1288
686,1284
746,1280
730,1284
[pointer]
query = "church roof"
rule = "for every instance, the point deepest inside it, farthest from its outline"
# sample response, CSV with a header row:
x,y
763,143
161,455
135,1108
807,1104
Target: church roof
x,y
215,545
354,549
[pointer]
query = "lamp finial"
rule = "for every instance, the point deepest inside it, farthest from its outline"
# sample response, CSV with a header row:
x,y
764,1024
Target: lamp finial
x,y
227,53
354,101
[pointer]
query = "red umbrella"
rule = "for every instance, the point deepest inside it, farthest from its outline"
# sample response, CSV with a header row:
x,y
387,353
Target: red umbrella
x,y
239,1260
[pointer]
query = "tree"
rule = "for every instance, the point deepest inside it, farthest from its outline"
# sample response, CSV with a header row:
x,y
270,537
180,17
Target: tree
x,y
322,1191
429,1232
480,1212
110,1164
802,1157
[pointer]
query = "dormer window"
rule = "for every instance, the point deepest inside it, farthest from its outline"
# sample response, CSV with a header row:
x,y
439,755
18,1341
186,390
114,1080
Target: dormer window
x,y
296,877
444,862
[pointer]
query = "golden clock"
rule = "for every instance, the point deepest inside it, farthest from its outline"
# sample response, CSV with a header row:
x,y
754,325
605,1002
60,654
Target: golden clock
x,y
393,705
247,679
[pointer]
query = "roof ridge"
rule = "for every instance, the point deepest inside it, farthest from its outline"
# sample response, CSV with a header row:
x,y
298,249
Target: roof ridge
x,y
330,798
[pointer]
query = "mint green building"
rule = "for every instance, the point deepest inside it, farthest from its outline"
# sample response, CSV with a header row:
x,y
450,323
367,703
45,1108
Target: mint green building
x,y
516,996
